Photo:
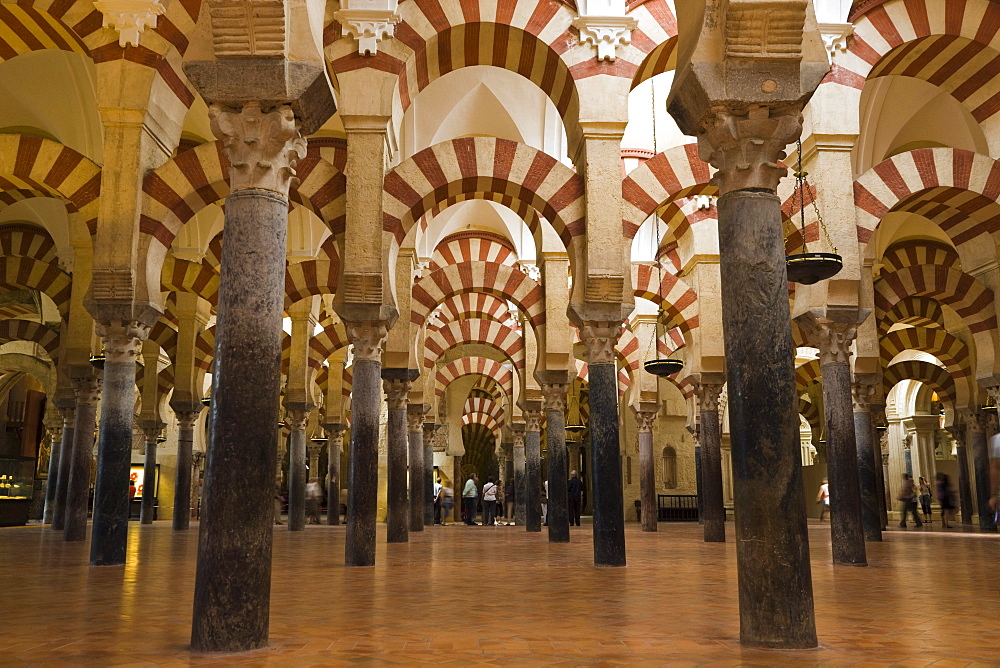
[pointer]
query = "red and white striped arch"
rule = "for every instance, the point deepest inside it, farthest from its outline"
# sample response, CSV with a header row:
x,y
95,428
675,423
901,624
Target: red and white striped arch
x,y
675,173
950,350
328,341
475,305
31,274
27,241
486,406
485,332
673,295
198,278
166,337
499,280
471,246
495,426
25,330
481,366
916,311
914,253
483,167
936,377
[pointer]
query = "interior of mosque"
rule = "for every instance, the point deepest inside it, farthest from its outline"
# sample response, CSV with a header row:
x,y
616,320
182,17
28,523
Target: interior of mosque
x,y
513,155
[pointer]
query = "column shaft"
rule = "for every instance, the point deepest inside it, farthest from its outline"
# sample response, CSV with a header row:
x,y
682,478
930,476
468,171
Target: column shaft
x,y
334,443
647,481
964,488
532,478
428,445
772,548
362,491
397,512
557,513
520,488
147,509
867,482
714,507
981,468
297,480
52,479
78,479
418,495
232,605
65,460
606,466
182,477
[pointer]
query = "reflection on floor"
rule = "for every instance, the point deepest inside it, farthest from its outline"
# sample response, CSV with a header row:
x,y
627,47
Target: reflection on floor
x,y
496,595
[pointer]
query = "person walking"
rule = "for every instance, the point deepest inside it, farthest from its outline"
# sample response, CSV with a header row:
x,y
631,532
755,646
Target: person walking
x,y
447,503
575,489
277,505
438,497
943,490
469,495
823,498
489,502
924,494
314,495
545,503
909,498
508,497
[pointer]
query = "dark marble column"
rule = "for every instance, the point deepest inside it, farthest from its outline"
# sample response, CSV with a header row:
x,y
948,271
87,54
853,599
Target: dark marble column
x,y
88,393
772,545
647,469
232,604
419,493
68,413
397,518
297,420
366,401
871,523
976,425
958,432
532,470
187,417
520,492
52,475
334,445
109,534
710,440
879,436
606,465
429,479
147,508
459,484
557,514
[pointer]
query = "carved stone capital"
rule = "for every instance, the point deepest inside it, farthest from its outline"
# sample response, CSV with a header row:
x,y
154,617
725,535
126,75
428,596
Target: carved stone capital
x,y
957,432
187,419
368,26
975,422
415,416
87,391
313,450
519,440
367,337
835,37
605,33
834,343
746,147
861,396
600,339
334,436
197,459
152,431
122,340
297,419
554,395
129,17
994,394
263,147
645,420
396,391
708,396
429,429
533,420
68,413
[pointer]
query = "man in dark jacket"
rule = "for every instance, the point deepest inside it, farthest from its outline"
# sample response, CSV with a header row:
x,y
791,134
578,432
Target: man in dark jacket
x,y
575,489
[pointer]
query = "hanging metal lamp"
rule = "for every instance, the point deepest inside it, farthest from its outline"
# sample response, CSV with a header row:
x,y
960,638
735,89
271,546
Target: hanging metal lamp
x,y
805,267
97,361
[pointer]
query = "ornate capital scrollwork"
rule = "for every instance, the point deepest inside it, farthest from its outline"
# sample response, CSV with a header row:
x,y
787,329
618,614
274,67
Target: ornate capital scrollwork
x,y
187,419
645,420
600,338
746,147
297,419
263,147
606,33
861,396
367,337
429,429
554,395
975,421
957,432
533,420
396,391
708,396
152,431
129,17
122,340
334,437
519,440
835,342
87,391
415,416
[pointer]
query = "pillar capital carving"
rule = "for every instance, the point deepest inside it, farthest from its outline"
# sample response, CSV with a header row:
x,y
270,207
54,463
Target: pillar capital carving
x,y
605,33
122,340
313,449
367,337
975,422
152,431
745,145
532,420
129,17
708,396
297,419
415,416
87,391
68,413
645,420
957,432
861,396
396,391
263,147
369,26
994,394
834,340
600,339
334,436
554,395
429,429
187,419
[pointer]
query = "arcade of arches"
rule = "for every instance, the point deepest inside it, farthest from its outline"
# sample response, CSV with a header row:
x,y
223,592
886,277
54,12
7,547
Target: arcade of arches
x,y
393,243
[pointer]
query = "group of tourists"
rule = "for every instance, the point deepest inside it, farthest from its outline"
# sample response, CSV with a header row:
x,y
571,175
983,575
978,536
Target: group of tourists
x,y
497,501
913,496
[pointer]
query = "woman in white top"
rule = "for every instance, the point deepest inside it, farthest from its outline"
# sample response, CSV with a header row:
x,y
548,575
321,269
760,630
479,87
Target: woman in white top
x,y
489,502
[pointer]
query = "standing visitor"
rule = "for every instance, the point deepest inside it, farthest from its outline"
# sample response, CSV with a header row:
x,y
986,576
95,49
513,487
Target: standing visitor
x,y
909,498
489,502
469,495
823,498
943,490
314,495
925,498
575,489
545,503
438,497
508,497
447,503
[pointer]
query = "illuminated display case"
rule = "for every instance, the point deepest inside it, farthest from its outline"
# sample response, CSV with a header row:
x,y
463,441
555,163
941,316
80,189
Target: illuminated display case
x,y
17,479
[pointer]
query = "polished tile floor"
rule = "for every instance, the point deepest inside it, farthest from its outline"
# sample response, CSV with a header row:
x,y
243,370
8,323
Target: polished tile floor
x,y
496,596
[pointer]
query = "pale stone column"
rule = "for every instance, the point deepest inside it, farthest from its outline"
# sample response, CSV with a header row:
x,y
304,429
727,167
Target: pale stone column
x,y
600,338
964,489
868,460
520,505
710,444
187,418
68,412
297,421
52,474
362,492
834,339
109,535
334,446
647,468
976,426
397,511
429,480
557,514
880,443
147,509
88,394
232,605
532,470
419,493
